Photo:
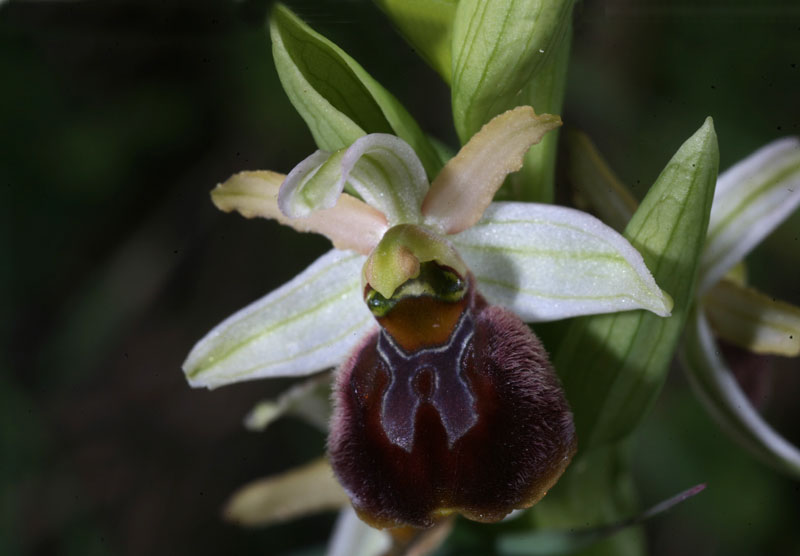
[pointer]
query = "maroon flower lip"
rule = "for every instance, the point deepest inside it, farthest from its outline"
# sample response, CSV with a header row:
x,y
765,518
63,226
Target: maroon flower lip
x,y
472,422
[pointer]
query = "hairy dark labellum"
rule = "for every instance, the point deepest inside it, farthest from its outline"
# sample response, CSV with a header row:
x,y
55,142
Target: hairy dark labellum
x,y
452,406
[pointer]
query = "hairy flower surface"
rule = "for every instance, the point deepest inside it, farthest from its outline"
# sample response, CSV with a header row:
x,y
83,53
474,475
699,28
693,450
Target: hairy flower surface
x,y
445,401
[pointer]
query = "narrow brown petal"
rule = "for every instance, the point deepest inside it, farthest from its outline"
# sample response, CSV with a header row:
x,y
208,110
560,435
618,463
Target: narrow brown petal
x,y
467,184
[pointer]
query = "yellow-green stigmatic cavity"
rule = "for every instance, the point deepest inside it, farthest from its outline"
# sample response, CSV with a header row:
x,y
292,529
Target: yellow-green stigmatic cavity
x,y
398,256
423,311
432,280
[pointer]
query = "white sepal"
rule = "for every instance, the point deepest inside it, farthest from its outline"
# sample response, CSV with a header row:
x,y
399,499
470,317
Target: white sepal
x,y
546,262
353,537
308,324
752,198
716,386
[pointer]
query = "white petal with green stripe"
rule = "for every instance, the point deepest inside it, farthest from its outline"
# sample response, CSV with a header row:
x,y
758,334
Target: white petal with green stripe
x,y
381,168
752,198
308,324
546,262
717,387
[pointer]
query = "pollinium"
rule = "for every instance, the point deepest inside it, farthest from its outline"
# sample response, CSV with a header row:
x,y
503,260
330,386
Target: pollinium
x,y
451,406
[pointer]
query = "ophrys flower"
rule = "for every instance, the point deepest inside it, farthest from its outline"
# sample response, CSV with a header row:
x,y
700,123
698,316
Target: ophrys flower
x,y
448,403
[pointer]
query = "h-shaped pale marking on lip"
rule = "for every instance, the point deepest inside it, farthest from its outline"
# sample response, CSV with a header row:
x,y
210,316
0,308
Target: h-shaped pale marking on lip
x,y
451,396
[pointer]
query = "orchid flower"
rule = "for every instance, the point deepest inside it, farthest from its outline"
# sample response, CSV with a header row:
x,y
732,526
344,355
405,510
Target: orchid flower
x,y
751,199
436,367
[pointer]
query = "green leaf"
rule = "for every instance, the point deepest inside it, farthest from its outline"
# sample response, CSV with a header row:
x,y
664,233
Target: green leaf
x,y
716,386
498,48
555,542
547,262
428,26
596,490
595,181
308,324
613,366
338,100
545,92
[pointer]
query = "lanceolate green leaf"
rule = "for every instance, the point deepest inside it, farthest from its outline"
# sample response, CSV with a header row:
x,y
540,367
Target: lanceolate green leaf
x,y
308,324
596,182
604,477
553,542
613,366
498,47
428,26
545,92
336,97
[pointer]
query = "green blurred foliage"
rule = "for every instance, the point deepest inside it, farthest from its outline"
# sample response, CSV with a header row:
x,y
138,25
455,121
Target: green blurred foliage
x,y
118,117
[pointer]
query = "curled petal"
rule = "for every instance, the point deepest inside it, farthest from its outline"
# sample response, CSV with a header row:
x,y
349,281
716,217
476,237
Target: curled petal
x,y
306,325
717,387
546,262
752,320
381,168
350,223
466,185
752,198
386,172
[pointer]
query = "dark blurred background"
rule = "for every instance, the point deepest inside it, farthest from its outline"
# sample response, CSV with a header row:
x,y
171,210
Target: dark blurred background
x,y
117,119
